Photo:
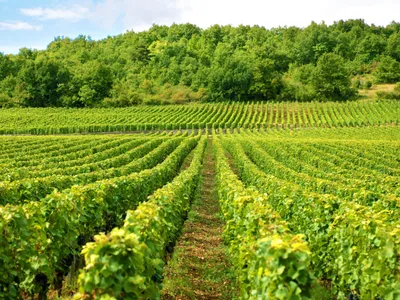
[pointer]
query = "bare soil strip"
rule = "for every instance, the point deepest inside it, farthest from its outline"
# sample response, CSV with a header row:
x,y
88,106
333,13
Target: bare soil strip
x,y
199,267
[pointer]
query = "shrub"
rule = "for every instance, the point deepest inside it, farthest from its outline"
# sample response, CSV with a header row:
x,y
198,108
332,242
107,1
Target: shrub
x,y
393,95
6,101
388,70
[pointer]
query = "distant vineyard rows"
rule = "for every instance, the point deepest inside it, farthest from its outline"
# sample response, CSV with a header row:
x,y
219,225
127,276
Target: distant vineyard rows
x,y
223,115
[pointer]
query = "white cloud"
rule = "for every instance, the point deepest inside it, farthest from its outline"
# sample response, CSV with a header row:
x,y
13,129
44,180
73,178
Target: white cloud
x,y
130,14
107,13
134,14
75,13
286,12
19,26
141,14
377,12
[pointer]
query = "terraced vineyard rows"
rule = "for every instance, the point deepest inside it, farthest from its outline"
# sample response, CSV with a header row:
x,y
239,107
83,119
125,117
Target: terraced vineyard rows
x,y
309,195
222,115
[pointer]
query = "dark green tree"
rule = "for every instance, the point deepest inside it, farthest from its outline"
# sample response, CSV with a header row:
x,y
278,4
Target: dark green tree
x,y
388,70
393,46
183,62
39,83
331,79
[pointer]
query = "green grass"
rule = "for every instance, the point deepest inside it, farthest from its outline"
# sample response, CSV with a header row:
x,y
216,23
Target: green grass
x,y
321,292
371,93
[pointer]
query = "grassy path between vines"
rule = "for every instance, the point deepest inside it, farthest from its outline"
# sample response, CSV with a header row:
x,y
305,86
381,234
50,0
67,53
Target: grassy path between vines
x,y
199,267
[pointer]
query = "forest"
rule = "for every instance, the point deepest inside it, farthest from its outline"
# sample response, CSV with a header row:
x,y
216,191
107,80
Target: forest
x,y
183,63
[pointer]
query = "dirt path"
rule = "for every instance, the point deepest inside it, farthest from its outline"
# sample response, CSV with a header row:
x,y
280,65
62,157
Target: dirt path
x,y
199,267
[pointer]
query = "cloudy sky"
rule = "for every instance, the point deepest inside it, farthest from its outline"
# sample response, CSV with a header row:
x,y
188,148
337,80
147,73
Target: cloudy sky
x,y
35,23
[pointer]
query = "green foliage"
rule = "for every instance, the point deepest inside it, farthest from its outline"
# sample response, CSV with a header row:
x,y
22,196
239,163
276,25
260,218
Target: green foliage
x,y
321,201
17,187
370,47
298,83
123,95
397,87
395,94
41,82
178,94
224,62
270,261
331,79
194,115
54,223
5,66
92,82
128,262
361,236
387,70
360,83
354,218
312,42
6,101
393,46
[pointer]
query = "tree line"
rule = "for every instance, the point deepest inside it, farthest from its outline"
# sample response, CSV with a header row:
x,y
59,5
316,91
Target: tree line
x,y
183,63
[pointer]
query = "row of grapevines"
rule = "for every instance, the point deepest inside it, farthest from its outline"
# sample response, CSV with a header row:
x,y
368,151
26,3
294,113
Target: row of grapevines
x,y
109,158
224,115
57,150
381,133
271,262
277,159
351,185
11,146
352,244
65,151
127,263
347,178
38,238
36,188
46,149
55,165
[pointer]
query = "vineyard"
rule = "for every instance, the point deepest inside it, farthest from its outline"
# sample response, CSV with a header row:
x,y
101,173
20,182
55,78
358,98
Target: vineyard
x,y
222,115
309,196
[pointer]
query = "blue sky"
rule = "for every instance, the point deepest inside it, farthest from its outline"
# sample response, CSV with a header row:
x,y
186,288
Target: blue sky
x,y
35,23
